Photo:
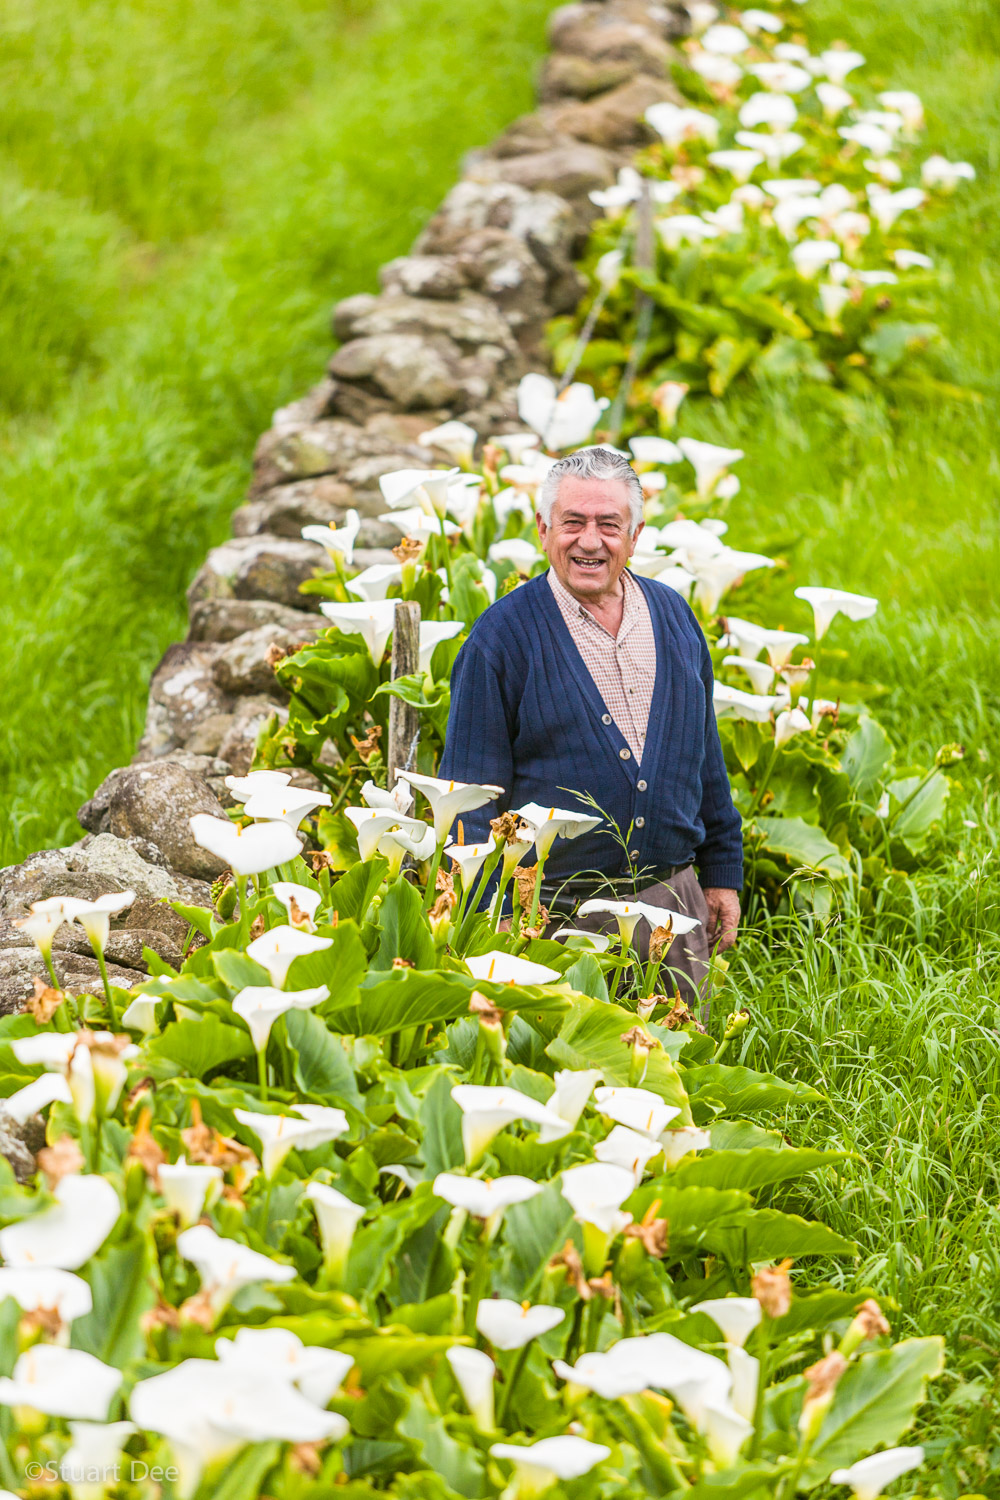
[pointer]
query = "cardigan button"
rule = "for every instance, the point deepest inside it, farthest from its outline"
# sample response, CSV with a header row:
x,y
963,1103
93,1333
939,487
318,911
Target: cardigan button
x,y
640,786
633,854
625,754
605,718
640,822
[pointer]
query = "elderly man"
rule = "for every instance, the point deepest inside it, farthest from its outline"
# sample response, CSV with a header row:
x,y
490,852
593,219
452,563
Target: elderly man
x,y
589,679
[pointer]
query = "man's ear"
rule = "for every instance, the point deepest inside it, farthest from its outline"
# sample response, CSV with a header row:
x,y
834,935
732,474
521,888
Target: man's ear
x,y
634,538
542,528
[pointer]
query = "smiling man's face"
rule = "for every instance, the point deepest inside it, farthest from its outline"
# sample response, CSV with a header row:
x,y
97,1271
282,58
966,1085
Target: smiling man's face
x,y
587,540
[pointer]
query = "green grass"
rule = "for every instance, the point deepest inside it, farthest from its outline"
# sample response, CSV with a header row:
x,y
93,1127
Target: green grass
x,y
187,190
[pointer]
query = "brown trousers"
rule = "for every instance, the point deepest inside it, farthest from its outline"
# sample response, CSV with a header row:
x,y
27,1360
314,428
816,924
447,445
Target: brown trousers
x,y
686,965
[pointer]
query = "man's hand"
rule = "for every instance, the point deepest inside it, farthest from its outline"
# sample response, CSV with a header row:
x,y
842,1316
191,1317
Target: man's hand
x,y
723,917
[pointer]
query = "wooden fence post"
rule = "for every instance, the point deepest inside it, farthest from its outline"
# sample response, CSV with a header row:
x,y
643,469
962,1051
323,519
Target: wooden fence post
x,y
404,720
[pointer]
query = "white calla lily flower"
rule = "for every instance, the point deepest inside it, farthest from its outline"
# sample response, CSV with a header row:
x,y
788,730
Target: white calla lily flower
x,y
760,673
834,99
836,62
208,1409
562,419
95,916
371,823
733,703
427,488
938,171
518,550
277,949
810,256
189,1188
715,68
709,461
432,633
753,21
456,440
540,1464
279,1134
739,164
775,148
277,1352
550,823
573,1088
225,1265
43,922
261,1005
488,1109
781,77
788,724
34,1288
827,604
640,1109
415,523
745,1371
398,800
887,207
577,937
596,1192
95,1450
68,1233
140,1014
470,859
508,968
301,902
628,915
833,299
338,1217
449,799
766,108
242,787
749,639
483,1198
373,621
339,541
681,1142
627,1148
716,574
872,137
737,1317
869,1476
474,1374
288,805
247,851
684,229
61,1383
373,583
655,450
676,123
725,1432
725,40
906,103
510,1325
912,260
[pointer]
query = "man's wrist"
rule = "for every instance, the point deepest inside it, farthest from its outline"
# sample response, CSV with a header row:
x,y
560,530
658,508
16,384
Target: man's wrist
x,y
721,877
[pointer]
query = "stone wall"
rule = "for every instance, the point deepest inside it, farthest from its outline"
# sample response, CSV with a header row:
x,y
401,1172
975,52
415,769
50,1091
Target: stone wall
x,y
456,324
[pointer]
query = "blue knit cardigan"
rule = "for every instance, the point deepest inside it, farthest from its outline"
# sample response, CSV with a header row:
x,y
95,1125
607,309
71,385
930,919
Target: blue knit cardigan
x,y
527,716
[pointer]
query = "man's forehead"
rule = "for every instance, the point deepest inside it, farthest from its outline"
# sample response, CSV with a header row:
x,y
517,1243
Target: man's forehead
x,y
579,493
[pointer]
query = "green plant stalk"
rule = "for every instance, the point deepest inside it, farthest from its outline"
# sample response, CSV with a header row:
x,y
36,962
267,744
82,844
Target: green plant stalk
x,y
432,876
762,788
102,966
466,905
262,1070
47,959
763,1372
536,893
927,777
478,1282
509,1388
10,1479
498,907
241,892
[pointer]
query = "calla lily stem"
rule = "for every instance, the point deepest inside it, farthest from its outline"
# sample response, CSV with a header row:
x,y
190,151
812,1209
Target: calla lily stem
x,y
262,1070
47,957
432,876
515,1375
762,787
102,966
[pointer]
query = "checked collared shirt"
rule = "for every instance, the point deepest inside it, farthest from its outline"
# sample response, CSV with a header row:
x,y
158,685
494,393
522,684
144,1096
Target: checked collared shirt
x,y
623,667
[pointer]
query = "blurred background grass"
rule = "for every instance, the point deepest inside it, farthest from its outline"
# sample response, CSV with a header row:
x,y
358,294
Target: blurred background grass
x,y
185,190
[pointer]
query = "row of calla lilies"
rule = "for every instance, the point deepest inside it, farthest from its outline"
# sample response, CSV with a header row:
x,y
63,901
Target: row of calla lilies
x,y
783,216
281,1201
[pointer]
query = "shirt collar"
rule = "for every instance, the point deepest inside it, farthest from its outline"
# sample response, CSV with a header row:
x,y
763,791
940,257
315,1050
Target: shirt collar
x,y
569,602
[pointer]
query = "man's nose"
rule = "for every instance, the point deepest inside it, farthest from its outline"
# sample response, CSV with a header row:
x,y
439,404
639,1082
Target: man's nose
x,y
590,537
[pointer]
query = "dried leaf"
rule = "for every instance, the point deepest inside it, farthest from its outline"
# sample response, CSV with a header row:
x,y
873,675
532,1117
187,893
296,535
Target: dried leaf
x,y
44,1002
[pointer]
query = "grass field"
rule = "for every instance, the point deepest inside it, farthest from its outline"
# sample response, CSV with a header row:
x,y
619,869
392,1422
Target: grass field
x,y
173,254
187,191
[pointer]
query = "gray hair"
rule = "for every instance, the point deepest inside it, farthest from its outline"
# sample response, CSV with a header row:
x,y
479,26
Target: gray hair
x,y
593,463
